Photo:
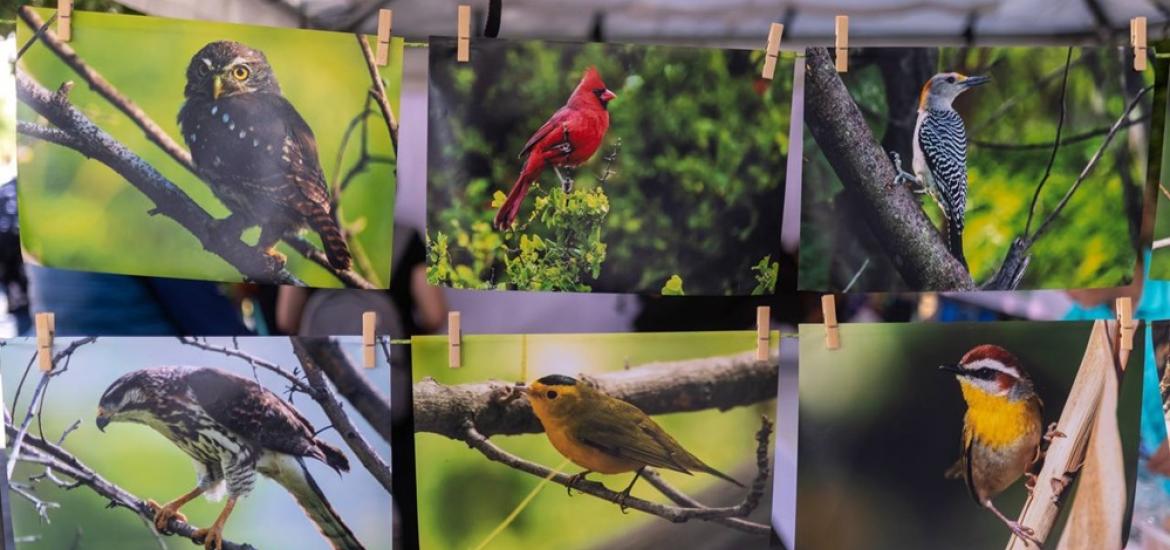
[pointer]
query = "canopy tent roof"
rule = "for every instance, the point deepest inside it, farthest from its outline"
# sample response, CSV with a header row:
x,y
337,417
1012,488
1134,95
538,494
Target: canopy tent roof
x,y
723,22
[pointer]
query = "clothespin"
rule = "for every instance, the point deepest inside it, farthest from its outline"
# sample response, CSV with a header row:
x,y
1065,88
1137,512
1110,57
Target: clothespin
x,y
382,55
454,340
369,323
773,50
46,329
829,311
1126,322
1137,39
842,43
463,43
65,20
763,332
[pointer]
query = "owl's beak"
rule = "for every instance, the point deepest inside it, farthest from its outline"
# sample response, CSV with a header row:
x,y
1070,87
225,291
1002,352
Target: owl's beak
x,y
216,87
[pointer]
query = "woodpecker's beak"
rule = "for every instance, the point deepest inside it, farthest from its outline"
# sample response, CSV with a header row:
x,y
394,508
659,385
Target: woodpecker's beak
x,y
973,81
216,87
953,369
103,420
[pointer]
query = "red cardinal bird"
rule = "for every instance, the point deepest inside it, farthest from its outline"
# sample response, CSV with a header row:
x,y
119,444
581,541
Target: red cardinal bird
x,y
567,140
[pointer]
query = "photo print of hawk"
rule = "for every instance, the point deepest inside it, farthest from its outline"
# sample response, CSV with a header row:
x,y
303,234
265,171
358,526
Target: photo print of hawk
x,y
255,150
231,427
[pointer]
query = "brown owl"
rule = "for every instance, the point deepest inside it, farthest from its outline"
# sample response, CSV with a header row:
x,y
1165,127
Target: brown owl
x,y
255,151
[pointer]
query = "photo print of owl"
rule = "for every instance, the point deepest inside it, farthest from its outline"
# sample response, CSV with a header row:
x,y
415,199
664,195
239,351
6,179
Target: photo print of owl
x,y
605,168
636,437
967,435
223,443
236,153
973,169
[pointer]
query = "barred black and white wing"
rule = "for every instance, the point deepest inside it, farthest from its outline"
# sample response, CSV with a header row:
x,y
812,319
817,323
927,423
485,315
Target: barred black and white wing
x,y
943,142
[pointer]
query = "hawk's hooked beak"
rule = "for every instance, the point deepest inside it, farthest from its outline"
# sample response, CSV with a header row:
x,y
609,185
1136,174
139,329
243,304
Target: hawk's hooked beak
x,y
103,420
216,86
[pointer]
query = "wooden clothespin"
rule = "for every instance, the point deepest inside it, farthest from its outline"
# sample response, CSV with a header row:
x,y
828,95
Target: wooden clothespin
x,y
832,331
773,50
463,51
46,330
1137,39
65,20
842,43
454,340
382,54
369,323
1126,322
763,332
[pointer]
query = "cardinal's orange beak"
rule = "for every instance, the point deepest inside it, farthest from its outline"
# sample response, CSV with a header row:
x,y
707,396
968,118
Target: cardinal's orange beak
x,y
216,87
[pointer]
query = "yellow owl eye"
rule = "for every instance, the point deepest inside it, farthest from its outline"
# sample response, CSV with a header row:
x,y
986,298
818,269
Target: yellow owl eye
x,y
241,72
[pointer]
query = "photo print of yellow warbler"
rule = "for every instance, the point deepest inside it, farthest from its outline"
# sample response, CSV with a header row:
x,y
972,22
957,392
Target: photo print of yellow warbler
x,y
606,435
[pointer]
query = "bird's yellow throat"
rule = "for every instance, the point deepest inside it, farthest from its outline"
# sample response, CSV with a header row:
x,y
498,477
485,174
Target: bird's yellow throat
x,y
996,420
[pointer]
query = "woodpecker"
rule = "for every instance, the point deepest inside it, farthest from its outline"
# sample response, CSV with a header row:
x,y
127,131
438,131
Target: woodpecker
x,y
940,152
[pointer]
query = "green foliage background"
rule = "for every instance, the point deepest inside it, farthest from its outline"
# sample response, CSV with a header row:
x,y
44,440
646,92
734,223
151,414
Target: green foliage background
x,y
697,185
463,496
78,214
880,424
1090,244
142,461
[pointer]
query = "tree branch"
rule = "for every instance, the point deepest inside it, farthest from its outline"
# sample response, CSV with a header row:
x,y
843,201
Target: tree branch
x,y
295,383
347,379
39,451
495,408
379,91
910,239
341,422
479,442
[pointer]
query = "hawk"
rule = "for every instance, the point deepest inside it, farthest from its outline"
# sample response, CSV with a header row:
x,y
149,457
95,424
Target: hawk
x,y
255,151
232,428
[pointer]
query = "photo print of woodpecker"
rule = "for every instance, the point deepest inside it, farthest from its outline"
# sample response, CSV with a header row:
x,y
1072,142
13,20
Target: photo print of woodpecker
x,y
215,443
633,436
606,168
234,154
973,169
965,435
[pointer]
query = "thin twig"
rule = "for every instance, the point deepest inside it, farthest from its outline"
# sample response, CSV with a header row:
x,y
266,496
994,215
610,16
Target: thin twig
x,y
254,362
341,422
1055,143
675,514
379,91
1076,138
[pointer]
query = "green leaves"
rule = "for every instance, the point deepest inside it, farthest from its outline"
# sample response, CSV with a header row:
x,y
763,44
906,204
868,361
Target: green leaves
x,y
673,286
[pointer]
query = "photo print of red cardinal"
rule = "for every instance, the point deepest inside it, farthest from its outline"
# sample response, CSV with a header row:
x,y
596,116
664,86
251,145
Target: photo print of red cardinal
x,y
567,140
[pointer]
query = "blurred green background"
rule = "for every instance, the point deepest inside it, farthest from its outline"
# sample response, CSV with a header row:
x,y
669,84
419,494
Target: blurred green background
x,y
879,425
1160,257
1091,244
698,182
145,463
79,214
462,496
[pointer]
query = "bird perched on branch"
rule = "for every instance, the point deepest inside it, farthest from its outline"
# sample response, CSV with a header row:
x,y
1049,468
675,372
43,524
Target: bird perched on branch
x,y
566,140
255,151
1001,429
232,428
606,435
940,152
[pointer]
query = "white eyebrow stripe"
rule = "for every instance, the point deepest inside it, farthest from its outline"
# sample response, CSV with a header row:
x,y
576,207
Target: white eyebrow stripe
x,y
993,365
236,61
206,62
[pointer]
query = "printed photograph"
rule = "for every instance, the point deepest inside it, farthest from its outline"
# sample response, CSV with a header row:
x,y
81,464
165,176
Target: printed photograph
x,y
235,153
650,440
223,443
1021,435
606,168
1160,253
973,169
1150,528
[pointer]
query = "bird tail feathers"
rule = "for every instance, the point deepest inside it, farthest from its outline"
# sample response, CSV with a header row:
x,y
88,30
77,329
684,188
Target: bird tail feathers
x,y
955,241
336,249
510,210
297,480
